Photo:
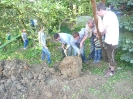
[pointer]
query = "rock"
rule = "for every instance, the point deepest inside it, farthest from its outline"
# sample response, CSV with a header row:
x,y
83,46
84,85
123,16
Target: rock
x,y
48,95
13,78
52,81
19,86
30,76
41,76
2,88
8,84
52,70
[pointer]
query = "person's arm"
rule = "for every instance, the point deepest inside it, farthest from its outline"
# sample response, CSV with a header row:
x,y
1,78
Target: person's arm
x,y
95,39
83,40
68,45
101,26
63,46
85,33
74,46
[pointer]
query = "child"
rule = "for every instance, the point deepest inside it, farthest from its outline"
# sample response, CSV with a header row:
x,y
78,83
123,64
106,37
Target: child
x,y
24,38
42,41
98,50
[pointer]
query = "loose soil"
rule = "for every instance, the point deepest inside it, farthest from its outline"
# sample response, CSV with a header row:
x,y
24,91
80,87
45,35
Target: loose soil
x,y
64,80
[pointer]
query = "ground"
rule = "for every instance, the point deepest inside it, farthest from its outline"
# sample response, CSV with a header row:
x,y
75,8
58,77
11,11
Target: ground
x,y
18,80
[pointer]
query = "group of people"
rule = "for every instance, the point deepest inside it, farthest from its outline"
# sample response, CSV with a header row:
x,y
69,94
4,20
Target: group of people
x,y
73,45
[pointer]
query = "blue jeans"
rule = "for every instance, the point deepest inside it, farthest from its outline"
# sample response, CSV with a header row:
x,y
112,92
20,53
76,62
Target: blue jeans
x,y
46,53
25,43
82,51
98,54
92,47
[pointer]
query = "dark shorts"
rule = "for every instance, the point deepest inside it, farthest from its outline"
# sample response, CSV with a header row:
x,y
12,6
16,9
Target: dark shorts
x,y
110,53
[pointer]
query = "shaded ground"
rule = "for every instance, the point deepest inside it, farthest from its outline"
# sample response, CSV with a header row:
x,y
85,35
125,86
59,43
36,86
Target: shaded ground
x,y
19,80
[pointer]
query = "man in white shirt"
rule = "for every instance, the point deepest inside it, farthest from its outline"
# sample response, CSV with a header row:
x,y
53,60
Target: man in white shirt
x,y
64,39
110,27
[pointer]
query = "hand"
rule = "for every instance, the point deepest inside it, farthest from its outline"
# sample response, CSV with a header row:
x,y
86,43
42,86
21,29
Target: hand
x,y
65,51
98,17
63,46
46,47
79,53
81,44
95,39
95,31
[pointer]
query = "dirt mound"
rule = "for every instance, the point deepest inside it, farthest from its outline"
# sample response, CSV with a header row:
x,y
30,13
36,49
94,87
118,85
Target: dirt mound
x,y
71,66
19,80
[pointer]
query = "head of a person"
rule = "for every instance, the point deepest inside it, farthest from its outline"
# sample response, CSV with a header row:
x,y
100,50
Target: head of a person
x,y
56,36
101,9
41,28
23,30
75,35
90,22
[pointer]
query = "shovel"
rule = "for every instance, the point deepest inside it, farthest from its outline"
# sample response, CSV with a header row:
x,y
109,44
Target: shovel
x,y
65,51
79,51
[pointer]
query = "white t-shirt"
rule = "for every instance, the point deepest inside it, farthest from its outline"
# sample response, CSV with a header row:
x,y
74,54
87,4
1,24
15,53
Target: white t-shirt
x,y
110,21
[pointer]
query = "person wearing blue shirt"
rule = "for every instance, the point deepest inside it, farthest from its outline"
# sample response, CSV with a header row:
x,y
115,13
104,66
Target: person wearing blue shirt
x,y
77,42
64,39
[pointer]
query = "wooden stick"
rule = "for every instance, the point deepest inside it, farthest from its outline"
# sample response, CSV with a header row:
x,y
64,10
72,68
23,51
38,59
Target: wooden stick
x,y
93,2
64,51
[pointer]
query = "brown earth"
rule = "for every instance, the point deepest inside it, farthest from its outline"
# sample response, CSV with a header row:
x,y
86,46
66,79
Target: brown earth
x,y
64,80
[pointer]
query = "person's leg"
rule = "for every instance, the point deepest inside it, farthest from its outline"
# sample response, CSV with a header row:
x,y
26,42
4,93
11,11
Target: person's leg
x,y
63,54
95,56
111,63
47,53
48,56
70,51
25,44
83,53
99,52
106,54
92,48
111,56
75,52
43,54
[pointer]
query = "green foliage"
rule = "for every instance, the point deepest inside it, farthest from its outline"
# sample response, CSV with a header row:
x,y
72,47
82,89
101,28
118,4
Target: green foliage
x,y
126,22
126,38
52,14
16,14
